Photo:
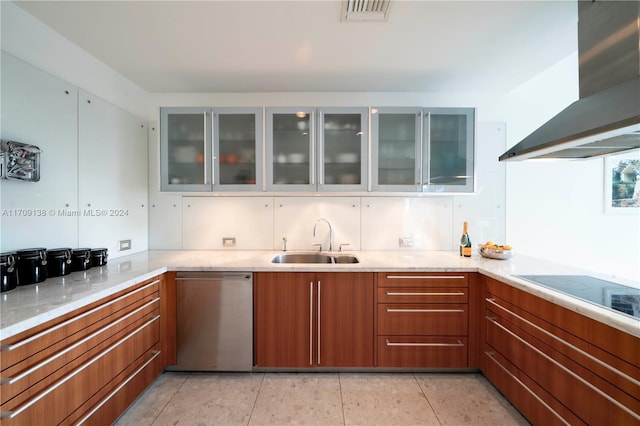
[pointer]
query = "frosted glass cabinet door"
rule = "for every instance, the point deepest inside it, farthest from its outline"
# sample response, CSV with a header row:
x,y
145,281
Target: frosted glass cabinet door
x,y
237,144
290,149
185,149
343,149
449,135
396,149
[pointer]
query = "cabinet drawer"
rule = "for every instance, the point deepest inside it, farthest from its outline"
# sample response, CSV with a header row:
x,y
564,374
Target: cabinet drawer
x,y
53,404
422,352
32,379
418,295
594,400
422,319
404,279
537,405
104,407
39,343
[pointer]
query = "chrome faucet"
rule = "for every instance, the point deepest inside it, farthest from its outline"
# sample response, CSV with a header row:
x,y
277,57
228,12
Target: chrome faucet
x,y
330,232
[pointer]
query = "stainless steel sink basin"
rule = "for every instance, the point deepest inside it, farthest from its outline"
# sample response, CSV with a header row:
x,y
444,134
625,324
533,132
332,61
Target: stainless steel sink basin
x,y
345,258
302,258
314,258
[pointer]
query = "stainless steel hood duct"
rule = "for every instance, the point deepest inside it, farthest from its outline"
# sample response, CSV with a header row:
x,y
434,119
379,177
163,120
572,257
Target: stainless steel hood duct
x,y
606,118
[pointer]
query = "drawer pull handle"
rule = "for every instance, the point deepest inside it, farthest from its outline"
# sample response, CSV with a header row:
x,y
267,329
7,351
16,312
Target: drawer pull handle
x,y
395,293
12,380
564,342
123,384
72,320
424,344
565,369
525,387
47,391
423,310
425,277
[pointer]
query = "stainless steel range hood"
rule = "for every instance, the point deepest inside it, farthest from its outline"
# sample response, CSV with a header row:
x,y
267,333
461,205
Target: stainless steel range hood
x,y
606,118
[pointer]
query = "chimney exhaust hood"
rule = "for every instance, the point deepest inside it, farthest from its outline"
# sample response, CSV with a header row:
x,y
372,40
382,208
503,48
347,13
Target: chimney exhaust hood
x,y
606,118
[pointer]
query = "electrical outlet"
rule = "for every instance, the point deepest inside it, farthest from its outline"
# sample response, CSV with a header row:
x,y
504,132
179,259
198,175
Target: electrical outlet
x,y
124,245
405,242
228,241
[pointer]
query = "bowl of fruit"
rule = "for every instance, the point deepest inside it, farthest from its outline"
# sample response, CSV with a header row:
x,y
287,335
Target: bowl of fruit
x,y
496,251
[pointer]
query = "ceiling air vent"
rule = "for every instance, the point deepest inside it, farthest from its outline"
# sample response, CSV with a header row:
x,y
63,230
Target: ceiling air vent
x,y
365,10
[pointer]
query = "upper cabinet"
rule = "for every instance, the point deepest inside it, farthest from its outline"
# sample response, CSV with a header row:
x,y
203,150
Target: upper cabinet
x,y
237,146
322,149
204,149
396,145
422,150
308,149
448,150
185,149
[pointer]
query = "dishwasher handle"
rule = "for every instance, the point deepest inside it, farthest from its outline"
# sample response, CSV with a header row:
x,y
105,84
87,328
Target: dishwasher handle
x,y
213,276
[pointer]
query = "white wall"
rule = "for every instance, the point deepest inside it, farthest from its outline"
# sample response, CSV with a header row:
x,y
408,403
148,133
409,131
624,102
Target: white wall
x,y
555,210
32,41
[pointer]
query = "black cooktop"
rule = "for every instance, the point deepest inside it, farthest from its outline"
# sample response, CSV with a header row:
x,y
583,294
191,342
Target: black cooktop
x,y
614,296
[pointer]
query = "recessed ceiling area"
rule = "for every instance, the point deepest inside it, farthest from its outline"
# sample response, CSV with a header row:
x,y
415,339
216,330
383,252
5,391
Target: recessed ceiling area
x,y
305,46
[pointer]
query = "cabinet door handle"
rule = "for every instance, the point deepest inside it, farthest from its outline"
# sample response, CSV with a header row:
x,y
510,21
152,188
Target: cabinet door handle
x,y
13,414
526,388
458,344
565,369
204,150
426,159
116,390
422,310
214,117
319,322
30,339
614,370
396,293
12,380
425,277
312,148
310,322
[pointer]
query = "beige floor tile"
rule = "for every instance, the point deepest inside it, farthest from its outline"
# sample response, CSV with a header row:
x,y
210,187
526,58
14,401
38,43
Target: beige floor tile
x,y
213,399
302,398
467,399
149,405
384,399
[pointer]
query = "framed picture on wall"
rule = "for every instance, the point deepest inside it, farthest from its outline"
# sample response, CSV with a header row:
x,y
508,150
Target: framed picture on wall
x,y
622,183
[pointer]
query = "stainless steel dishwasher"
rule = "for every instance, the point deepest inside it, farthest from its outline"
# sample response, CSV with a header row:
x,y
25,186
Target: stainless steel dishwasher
x,y
214,321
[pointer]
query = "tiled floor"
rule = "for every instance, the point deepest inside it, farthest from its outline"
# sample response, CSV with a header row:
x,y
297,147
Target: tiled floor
x,y
321,399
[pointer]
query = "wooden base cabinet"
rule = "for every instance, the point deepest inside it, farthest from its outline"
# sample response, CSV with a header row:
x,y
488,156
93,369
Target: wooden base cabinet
x,y
557,366
87,366
313,319
422,320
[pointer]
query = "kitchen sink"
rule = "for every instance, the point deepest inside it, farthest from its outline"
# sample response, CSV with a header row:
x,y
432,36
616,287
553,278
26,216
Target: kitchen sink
x,y
314,258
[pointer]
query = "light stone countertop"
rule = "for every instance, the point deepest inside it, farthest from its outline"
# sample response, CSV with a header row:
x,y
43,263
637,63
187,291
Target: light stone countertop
x,y
31,305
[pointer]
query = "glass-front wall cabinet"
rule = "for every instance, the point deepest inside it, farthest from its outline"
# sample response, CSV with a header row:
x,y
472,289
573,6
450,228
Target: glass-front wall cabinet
x,y
290,154
185,148
396,149
237,142
422,149
343,149
449,135
204,149
323,149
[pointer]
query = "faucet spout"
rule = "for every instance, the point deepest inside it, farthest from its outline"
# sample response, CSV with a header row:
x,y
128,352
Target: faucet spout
x,y
330,232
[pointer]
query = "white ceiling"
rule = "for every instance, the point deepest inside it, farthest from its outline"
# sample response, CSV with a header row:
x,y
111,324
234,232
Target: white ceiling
x,y
267,45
